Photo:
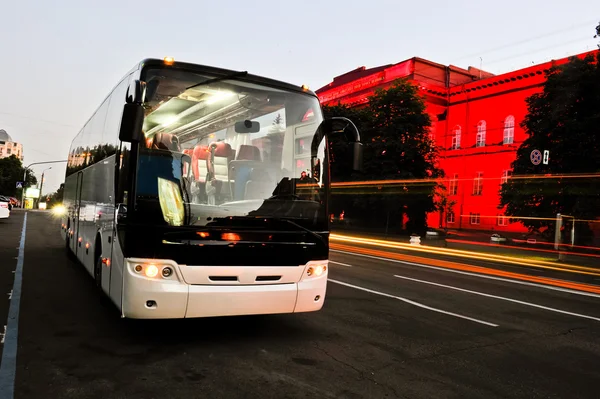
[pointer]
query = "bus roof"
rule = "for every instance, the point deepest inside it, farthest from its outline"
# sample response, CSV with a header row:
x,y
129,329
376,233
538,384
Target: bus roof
x,y
220,72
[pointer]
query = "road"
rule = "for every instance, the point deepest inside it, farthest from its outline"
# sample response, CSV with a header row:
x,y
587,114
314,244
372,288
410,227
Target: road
x,y
388,330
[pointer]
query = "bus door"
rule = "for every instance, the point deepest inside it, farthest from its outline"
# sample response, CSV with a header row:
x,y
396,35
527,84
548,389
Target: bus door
x,y
76,232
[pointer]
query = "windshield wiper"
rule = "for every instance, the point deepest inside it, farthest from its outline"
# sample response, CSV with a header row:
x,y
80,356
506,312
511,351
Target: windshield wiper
x,y
309,231
218,79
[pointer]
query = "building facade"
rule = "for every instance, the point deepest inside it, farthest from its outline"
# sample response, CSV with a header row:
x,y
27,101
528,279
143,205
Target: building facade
x,y
8,147
476,119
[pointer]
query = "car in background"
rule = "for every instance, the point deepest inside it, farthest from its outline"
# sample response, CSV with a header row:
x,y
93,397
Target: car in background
x,y
497,238
9,200
4,208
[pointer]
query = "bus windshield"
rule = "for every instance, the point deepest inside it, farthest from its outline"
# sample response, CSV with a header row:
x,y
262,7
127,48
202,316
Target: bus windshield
x,y
220,149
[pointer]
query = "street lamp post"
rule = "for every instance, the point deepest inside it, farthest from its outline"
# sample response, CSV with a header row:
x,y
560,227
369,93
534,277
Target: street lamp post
x,y
25,178
42,183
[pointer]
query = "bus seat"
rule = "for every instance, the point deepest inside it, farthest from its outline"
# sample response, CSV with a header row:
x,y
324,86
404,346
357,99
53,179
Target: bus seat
x,y
199,167
199,172
248,157
189,152
222,155
165,141
248,153
260,185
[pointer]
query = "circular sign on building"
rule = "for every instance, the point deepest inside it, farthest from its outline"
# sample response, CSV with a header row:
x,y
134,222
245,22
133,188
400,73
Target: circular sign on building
x,y
536,157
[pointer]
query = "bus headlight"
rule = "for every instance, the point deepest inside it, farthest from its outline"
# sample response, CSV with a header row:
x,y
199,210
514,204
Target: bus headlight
x,y
151,271
316,269
167,271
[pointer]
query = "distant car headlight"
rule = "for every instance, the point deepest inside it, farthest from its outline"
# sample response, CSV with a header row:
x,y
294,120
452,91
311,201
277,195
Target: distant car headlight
x,y
59,210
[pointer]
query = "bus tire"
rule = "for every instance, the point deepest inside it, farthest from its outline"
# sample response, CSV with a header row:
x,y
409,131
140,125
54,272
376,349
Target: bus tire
x,y
98,272
70,253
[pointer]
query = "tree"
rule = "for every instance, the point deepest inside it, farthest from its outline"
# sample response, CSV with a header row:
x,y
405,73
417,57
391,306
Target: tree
x,y
563,119
394,128
597,33
56,197
11,172
274,140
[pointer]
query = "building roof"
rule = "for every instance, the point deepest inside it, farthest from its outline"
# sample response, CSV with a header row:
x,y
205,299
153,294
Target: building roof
x,y
5,136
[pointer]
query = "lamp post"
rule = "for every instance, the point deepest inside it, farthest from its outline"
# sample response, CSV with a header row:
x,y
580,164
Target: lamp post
x,y
25,177
42,183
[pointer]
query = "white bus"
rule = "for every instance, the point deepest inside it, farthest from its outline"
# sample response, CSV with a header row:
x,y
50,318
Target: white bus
x,y
196,191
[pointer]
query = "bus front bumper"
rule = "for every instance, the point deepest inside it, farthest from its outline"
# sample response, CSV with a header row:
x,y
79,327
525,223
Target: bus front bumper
x,y
173,298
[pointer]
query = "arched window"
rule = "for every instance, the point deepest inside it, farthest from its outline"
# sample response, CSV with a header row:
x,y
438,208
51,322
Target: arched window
x,y
509,130
456,137
480,139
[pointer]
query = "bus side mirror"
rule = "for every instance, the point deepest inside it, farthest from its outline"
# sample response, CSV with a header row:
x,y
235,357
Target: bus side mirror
x,y
131,123
339,125
357,156
120,213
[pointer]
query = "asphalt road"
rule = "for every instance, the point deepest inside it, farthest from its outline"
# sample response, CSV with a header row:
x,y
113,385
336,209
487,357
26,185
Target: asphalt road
x,y
378,336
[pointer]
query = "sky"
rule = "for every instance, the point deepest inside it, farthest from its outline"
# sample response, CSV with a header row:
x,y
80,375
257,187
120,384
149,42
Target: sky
x,y
60,59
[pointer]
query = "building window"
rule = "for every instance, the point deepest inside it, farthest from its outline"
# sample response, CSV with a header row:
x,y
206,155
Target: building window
x,y
453,186
475,218
450,217
7,150
456,137
509,130
502,220
506,174
478,184
480,139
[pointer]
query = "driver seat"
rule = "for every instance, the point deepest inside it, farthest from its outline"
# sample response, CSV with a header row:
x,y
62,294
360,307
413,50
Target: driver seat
x,y
166,141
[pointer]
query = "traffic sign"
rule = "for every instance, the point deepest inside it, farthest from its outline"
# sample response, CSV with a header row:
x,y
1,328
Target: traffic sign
x,y
546,157
19,184
536,157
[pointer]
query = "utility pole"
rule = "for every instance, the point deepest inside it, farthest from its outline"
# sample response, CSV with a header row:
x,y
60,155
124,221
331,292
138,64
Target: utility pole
x,y
42,183
25,178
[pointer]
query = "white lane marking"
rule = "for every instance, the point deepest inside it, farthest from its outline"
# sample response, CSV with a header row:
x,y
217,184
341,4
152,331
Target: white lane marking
x,y
10,295
340,263
8,366
3,335
508,280
420,305
501,298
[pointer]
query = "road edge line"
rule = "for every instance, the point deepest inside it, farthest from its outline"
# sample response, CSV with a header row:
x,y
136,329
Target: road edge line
x,y
8,365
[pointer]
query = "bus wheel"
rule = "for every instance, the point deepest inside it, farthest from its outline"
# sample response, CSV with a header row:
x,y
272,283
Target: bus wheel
x,y
98,272
70,253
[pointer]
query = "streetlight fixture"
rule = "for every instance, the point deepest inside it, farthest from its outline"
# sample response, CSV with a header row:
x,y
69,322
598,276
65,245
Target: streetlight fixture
x,y
25,178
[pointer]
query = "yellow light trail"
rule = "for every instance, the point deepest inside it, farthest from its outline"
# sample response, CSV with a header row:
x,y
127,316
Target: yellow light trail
x,y
469,268
448,179
469,255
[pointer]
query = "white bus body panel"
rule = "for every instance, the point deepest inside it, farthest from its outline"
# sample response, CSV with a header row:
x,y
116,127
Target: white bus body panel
x,y
174,297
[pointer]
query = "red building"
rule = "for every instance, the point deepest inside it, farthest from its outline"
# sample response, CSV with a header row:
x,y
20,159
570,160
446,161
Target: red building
x,y
476,125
